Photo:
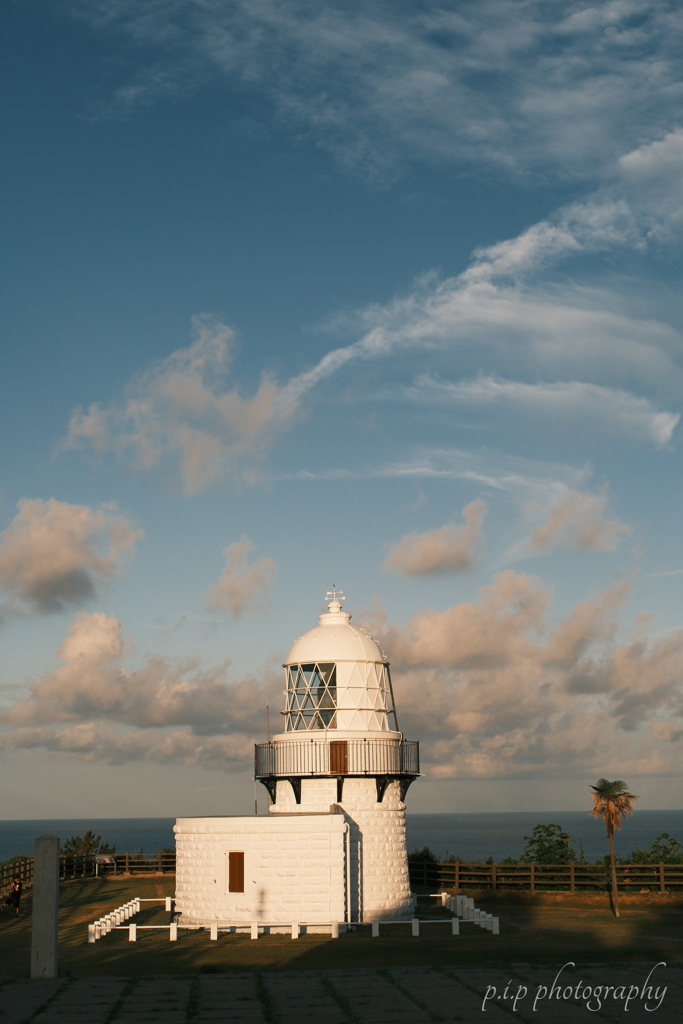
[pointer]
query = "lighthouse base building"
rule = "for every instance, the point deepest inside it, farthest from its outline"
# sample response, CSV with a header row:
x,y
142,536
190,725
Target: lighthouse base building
x,y
332,849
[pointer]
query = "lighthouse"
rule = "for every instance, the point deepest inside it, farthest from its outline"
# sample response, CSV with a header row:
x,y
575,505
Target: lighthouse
x,y
332,848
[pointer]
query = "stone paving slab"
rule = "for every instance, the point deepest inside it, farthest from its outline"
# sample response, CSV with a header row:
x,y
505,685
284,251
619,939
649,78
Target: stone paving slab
x,y
303,998
389,996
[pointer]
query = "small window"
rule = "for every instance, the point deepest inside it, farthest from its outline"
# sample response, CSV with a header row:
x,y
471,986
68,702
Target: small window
x,y
235,872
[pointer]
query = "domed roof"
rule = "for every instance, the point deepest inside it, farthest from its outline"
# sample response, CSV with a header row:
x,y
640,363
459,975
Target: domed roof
x,y
335,639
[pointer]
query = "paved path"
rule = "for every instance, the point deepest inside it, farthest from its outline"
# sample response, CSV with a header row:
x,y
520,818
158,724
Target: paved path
x,y
409,995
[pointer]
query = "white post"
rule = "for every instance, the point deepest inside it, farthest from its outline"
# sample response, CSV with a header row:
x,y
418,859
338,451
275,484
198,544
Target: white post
x,y
458,905
444,897
413,897
489,922
138,905
295,930
495,926
375,929
98,930
45,915
456,925
91,933
254,929
173,932
334,933
214,931
415,926
470,913
132,933
169,902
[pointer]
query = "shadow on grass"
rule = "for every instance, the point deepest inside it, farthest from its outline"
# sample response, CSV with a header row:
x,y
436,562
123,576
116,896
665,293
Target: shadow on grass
x,y
534,929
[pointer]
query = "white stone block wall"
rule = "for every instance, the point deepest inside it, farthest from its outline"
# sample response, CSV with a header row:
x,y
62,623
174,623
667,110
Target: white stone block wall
x,y
379,828
294,869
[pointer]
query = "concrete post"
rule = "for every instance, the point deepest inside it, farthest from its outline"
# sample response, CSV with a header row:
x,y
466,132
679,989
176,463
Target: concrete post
x,y
214,931
415,927
173,933
132,933
335,930
254,929
456,925
45,907
375,929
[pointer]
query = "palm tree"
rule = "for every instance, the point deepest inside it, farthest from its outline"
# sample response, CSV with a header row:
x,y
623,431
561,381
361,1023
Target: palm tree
x,y
612,801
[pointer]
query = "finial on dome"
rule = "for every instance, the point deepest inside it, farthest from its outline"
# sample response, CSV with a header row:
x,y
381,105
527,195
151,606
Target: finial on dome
x,y
334,607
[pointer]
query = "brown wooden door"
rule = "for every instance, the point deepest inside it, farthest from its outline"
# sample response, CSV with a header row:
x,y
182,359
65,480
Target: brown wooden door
x,y
339,757
235,872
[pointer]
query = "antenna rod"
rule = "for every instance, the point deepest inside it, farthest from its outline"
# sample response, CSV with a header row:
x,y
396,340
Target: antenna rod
x,y
268,722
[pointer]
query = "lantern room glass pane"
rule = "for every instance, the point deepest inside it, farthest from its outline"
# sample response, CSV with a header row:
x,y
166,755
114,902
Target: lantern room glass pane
x,y
311,700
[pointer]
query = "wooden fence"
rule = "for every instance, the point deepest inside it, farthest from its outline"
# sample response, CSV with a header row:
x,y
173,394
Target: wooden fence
x,y
86,867
544,877
432,877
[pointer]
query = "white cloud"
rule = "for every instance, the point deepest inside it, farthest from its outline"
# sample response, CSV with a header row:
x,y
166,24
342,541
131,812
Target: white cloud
x,y
242,587
94,707
496,687
493,687
451,548
54,554
617,411
178,412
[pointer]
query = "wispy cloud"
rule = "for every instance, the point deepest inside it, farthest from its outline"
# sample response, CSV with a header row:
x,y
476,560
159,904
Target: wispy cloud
x,y
577,521
493,469
540,86
242,586
53,554
616,411
450,548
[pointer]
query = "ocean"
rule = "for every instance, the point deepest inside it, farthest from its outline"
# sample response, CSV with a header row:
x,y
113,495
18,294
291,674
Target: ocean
x,y
468,836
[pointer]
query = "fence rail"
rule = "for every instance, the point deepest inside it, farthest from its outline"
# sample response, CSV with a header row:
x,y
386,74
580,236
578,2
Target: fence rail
x,y
545,877
338,757
86,867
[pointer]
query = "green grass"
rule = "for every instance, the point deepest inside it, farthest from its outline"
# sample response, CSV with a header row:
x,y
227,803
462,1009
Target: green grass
x,y
540,929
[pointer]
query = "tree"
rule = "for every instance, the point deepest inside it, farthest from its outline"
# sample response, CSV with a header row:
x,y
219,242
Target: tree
x,y
548,844
423,856
663,850
86,846
612,802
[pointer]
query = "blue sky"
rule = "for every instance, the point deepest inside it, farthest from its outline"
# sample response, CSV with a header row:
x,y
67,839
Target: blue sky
x,y
380,294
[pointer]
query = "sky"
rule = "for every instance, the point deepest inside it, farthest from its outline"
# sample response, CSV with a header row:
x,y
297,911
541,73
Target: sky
x,y
377,294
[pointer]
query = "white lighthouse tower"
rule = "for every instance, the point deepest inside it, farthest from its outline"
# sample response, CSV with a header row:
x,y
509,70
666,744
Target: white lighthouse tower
x,y
332,848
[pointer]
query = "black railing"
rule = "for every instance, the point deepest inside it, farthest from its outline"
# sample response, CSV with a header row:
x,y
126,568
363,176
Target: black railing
x,y
339,757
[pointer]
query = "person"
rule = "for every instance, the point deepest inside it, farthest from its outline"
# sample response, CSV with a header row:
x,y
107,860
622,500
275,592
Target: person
x,y
14,894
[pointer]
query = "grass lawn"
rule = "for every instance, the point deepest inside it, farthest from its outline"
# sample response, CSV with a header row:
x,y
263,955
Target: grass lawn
x,y
545,928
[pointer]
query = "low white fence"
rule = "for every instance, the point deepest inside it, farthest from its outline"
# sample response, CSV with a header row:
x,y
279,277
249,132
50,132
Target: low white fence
x,y
462,908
